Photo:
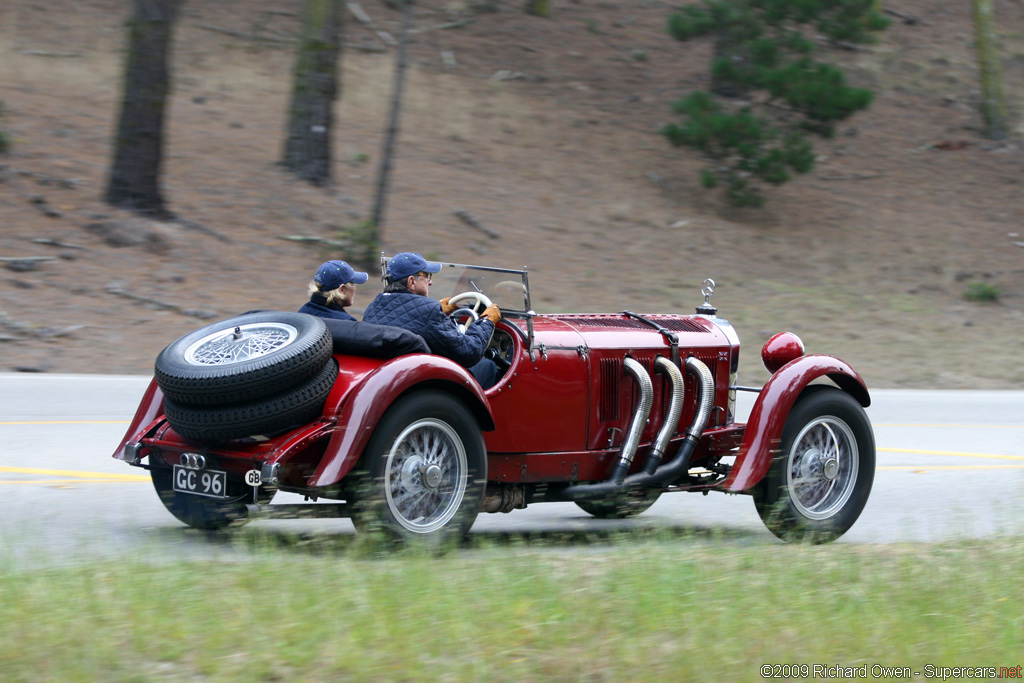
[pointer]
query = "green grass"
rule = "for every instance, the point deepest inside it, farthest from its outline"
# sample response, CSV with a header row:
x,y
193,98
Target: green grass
x,y
643,610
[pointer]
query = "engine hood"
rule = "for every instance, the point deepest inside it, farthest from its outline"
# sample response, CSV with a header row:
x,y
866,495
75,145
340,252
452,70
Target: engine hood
x,y
621,331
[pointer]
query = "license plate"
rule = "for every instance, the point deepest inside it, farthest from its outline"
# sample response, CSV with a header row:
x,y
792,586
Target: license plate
x,y
210,483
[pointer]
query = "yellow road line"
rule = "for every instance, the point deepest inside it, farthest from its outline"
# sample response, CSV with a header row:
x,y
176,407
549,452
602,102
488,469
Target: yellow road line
x,y
944,426
951,467
45,482
76,474
954,454
68,422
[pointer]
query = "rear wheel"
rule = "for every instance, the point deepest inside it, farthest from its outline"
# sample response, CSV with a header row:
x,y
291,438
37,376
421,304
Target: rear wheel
x,y
424,471
819,482
200,512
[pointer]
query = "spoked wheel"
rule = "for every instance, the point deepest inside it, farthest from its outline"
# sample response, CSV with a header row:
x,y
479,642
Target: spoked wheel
x,y
820,481
424,471
243,359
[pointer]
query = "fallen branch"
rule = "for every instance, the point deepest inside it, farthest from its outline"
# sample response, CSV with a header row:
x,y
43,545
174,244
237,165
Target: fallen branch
x,y
199,227
367,47
363,18
859,176
42,179
16,259
441,27
56,243
162,305
315,240
907,19
470,220
44,53
244,36
39,332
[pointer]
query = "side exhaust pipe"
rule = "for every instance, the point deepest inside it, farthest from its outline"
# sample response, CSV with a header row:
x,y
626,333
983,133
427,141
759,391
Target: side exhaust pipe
x,y
639,421
675,409
669,472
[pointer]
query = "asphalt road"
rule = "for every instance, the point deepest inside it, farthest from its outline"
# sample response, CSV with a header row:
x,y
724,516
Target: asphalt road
x,y
950,466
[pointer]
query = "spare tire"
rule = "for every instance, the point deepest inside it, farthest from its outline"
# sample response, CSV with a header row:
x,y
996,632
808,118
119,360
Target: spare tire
x,y
301,404
243,358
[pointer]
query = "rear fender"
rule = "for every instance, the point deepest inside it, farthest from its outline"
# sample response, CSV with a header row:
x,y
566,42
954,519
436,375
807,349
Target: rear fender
x,y
150,408
768,417
366,403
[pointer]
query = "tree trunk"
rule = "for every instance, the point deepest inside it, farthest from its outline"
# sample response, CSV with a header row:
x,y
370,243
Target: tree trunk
x,y
993,104
384,173
134,182
307,150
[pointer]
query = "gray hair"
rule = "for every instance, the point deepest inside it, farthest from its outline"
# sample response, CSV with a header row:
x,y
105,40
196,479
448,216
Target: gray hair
x,y
397,285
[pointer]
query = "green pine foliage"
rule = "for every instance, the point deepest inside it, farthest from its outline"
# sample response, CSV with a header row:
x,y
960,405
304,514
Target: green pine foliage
x,y
768,91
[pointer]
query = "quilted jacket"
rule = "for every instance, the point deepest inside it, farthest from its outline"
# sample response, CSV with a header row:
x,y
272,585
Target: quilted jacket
x,y
422,315
317,305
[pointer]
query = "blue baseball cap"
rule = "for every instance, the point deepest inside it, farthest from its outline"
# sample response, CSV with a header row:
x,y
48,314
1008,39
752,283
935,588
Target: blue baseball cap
x,y
409,263
334,274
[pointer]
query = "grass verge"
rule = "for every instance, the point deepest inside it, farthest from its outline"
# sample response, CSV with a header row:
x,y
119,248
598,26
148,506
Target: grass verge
x,y
649,610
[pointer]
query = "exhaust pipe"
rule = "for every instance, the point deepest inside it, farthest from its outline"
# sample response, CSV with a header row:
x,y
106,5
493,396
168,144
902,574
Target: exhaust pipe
x,y
669,472
675,409
636,426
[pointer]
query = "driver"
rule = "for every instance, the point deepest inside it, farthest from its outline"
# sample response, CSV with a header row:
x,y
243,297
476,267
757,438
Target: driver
x,y
405,303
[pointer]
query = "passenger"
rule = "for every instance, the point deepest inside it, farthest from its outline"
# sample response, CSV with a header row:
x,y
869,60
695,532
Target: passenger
x,y
332,290
405,302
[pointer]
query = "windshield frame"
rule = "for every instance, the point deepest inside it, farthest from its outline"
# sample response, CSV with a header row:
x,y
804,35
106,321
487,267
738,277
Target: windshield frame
x,y
446,284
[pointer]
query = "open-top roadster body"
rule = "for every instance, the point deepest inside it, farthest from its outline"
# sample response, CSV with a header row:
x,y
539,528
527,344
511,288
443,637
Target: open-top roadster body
x,y
609,411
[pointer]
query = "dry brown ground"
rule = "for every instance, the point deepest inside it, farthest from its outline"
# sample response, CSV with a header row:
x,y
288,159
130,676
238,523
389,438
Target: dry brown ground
x,y
868,258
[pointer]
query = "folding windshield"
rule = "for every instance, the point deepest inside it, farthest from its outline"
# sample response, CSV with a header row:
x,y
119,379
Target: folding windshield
x,y
509,289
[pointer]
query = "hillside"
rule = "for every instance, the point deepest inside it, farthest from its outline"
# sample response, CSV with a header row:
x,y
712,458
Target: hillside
x,y
546,131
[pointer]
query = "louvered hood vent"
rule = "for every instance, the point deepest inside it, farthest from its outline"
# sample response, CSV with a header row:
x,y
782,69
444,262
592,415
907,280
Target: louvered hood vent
x,y
676,324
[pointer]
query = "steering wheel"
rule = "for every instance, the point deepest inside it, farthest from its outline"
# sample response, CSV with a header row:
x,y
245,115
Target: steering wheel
x,y
480,304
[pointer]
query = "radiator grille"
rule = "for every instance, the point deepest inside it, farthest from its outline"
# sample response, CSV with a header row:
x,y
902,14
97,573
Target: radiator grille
x,y
611,382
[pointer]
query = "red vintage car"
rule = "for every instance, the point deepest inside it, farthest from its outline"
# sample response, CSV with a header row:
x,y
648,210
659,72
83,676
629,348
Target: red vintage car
x,y
609,411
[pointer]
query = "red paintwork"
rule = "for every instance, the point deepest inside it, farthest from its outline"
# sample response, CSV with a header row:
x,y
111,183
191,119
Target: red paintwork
x,y
366,393
151,407
768,416
558,416
782,348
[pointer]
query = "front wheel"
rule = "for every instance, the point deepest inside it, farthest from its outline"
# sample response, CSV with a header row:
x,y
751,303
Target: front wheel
x,y
424,471
820,479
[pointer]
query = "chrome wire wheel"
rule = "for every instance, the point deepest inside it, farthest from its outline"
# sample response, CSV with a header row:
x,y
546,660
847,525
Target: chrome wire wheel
x,y
239,344
823,465
425,475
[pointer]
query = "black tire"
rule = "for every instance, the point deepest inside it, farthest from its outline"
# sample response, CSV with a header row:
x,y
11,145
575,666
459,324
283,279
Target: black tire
x,y
820,480
206,513
297,405
411,494
273,351
626,505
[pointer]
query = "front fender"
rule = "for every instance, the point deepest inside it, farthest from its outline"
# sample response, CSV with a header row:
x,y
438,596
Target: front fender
x,y
768,416
367,402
